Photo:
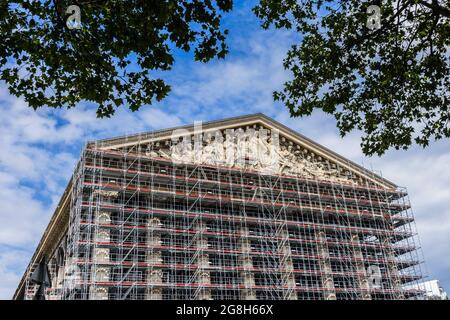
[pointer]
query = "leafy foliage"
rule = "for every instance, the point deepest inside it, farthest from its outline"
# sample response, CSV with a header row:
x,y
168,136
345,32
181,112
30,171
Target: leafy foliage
x,y
113,59
392,83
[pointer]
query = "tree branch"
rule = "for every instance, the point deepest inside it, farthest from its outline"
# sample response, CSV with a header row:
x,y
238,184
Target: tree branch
x,y
385,26
437,9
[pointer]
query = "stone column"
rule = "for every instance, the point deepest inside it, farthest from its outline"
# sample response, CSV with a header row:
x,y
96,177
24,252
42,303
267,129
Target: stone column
x,y
361,278
99,274
154,258
246,262
325,267
392,267
203,276
284,248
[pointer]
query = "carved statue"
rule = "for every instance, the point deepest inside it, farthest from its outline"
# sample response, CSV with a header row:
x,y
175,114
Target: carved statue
x,y
230,149
176,152
253,149
182,150
253,146
208,154
270,159
149,152
287,160
164,153
241,147
219,152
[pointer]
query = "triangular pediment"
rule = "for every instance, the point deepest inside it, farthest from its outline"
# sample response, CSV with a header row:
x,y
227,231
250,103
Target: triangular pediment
x,y
253,142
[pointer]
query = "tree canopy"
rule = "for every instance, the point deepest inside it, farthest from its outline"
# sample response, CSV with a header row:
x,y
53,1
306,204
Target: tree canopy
x,y
391,82
113,59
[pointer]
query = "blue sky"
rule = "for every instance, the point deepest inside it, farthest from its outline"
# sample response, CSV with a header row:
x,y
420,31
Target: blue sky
x,y
39,149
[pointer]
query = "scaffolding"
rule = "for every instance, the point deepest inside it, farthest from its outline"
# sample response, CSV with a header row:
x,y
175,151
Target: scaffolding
x,y
145,227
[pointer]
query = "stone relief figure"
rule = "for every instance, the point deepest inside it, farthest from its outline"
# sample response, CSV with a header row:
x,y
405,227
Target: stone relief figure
x,y
241,147
269,157
188,151
287,160
253,149
300,164
213,153
345,178
149,152
260,154
176,151
163,153
158,151
333,173
181,150
230,148
309,168
217,147
319,170
328,173
219,151
208,153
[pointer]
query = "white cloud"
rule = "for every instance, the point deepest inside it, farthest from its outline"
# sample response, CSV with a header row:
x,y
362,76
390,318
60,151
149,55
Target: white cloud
x,y
12,264
238,85
157,119
23,217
